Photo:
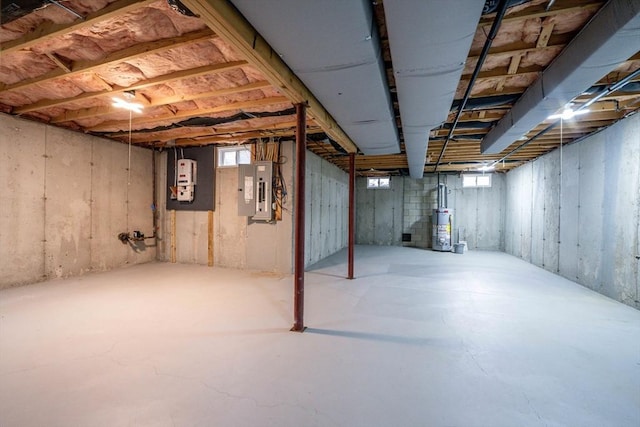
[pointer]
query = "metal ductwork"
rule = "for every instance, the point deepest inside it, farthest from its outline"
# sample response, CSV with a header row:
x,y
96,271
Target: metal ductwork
x,y
610,38
428,64
334,48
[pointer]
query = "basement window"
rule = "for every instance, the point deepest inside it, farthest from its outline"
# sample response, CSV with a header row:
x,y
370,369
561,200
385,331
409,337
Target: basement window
x,y
233,156
476,180
379,182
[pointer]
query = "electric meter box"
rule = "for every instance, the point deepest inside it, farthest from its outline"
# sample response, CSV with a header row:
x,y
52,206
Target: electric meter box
x,y
246,190
187,179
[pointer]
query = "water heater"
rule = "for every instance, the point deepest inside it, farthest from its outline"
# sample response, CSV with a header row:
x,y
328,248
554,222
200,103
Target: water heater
x,y
442,222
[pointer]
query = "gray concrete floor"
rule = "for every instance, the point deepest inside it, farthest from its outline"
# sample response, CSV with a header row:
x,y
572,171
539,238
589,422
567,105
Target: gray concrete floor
x,y
418,339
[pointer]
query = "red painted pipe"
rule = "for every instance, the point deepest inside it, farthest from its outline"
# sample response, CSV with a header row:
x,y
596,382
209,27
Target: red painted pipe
x,y
298,296
352,211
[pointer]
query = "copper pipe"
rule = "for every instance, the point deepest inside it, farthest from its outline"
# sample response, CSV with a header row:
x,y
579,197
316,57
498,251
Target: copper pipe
x,y
352,211
298,296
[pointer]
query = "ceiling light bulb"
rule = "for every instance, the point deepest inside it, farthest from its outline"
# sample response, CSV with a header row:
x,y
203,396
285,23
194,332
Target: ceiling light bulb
x,y
486,168
131,106
568,114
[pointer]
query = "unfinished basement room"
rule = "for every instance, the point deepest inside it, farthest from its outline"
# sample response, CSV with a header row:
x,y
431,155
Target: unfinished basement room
x,y
320,213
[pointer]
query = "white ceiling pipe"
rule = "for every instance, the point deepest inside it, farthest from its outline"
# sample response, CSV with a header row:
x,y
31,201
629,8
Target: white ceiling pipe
x,y
429,41
611,37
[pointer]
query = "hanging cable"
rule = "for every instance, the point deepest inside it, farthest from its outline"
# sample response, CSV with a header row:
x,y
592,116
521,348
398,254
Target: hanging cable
x,y
129,169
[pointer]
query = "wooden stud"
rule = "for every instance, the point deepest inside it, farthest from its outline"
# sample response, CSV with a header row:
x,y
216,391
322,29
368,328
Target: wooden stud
x,y
59,62
514,64
173,236
210,239
545,34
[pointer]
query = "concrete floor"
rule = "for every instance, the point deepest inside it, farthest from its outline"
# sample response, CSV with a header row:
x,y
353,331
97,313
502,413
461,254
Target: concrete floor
x,y
419,339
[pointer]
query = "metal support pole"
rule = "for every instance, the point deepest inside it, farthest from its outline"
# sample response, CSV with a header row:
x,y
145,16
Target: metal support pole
x,y
352,211
298,297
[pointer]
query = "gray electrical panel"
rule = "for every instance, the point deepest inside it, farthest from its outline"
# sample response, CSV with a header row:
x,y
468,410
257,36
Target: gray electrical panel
x,y
263,191
255,193
246,190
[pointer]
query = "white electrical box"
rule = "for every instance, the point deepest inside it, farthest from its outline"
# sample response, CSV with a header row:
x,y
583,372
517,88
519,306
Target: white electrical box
x,y
187,179
246,190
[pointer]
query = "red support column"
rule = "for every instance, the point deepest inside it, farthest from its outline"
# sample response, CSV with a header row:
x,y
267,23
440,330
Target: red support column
x,y
301,147
352,211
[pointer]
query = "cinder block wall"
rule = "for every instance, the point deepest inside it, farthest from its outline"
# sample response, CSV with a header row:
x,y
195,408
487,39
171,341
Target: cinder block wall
x,y
582,221
66,197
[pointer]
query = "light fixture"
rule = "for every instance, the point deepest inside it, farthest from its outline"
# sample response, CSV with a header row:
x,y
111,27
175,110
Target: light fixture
x,y
128,105
568,113
487,168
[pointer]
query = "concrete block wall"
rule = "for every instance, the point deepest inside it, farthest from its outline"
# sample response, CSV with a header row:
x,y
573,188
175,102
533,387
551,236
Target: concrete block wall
x,y
382,216
66,199
238,242
582,221
327,208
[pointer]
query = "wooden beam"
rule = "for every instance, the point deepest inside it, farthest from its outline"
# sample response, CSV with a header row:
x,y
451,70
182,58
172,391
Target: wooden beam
x,y
210,131
545,34
133,52
513,69
233,138
124,124
226,21
49,30
210,239
556,42
173,236
540,11
112,90
85,113
59,62
211,94
504,71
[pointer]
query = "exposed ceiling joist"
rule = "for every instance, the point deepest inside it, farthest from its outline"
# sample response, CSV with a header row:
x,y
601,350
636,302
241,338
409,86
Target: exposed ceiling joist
x,y
210,130
49,30
225,20
540,11
113,90
124,124
232,138
133,52
85,113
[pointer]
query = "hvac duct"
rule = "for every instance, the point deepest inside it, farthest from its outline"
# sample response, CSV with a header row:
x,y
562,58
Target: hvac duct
x,y
334,48
610,38
428,64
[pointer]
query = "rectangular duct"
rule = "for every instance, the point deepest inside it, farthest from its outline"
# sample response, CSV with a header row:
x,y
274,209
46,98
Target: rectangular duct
x,y
611,37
